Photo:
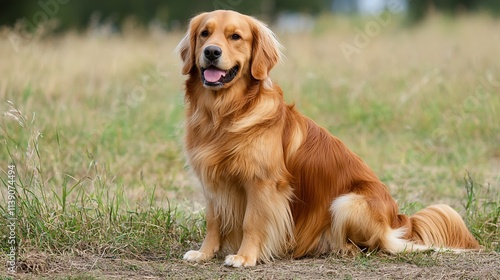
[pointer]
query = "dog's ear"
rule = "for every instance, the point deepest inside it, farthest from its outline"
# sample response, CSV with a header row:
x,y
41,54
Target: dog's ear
x,y
265,50
187,45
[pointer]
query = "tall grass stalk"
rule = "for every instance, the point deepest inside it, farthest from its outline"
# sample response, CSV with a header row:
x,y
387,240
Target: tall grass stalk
x,y
483,212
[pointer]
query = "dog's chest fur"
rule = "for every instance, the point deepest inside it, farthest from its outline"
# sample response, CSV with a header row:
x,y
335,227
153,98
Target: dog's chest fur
x,y
233,148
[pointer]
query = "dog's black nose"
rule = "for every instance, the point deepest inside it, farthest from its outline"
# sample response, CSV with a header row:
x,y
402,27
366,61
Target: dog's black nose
x,y
212,52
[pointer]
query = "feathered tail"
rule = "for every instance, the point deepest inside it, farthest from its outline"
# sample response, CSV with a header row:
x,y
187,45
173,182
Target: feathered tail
x,y
436,227
440,226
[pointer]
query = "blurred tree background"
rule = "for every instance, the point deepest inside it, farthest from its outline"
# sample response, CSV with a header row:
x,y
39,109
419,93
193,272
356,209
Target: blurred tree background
x,y
169,13
78,14
418,9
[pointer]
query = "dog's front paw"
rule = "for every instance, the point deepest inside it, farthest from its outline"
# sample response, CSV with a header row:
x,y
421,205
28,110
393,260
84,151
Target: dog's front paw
x,y
195,256
239,261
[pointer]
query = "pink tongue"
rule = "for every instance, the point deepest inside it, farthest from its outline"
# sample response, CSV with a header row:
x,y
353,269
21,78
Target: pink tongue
x,y
212,75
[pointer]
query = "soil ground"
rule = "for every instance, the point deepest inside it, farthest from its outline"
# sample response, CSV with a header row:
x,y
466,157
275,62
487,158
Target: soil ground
x,y
481,265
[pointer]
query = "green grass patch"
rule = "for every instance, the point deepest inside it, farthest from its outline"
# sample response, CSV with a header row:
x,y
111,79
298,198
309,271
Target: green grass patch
x,y
90,213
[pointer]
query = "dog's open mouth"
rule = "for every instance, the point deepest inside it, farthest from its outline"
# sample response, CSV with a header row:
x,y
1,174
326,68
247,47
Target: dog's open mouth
x,y
214,77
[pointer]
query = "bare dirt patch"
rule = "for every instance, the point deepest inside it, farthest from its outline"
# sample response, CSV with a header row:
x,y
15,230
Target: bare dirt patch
x,y
484,265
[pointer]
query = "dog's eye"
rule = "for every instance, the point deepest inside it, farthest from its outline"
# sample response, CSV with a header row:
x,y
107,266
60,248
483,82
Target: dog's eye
x,y
204,33
235,36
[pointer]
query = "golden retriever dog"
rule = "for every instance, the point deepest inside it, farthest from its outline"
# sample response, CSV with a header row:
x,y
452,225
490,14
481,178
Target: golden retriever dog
x,y
276,184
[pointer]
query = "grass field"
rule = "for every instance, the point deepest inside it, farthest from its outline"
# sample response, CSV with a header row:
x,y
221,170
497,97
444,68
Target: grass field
x,y
91,130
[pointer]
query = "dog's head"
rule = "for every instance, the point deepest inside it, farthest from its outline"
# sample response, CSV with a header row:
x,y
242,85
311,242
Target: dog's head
x,y
224,46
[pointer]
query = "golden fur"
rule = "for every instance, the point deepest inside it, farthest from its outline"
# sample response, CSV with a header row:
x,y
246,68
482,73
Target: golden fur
x,y
275,183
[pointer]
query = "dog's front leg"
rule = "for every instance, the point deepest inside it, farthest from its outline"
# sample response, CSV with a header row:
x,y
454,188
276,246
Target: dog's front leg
x,y
211,244
255,225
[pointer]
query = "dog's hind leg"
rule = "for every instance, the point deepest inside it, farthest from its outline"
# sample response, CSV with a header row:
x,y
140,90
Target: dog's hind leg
x,y
357,223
